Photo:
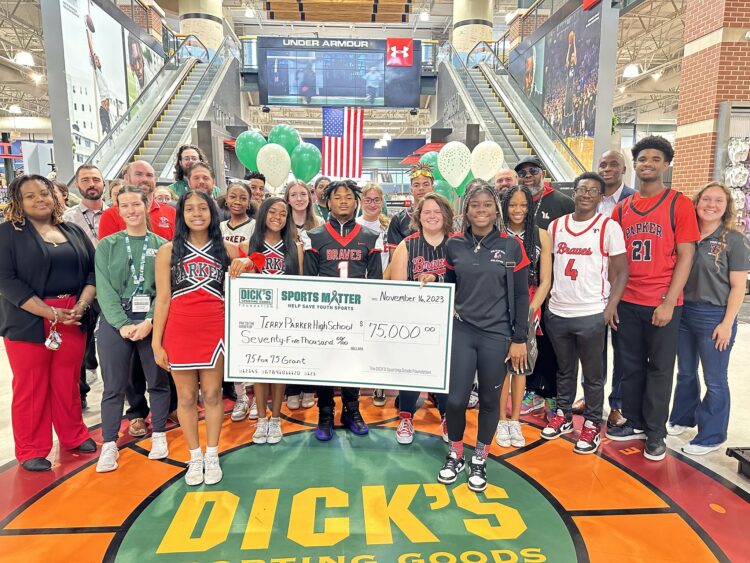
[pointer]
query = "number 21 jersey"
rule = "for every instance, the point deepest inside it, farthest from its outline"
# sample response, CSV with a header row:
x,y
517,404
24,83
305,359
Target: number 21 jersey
x,y
653,226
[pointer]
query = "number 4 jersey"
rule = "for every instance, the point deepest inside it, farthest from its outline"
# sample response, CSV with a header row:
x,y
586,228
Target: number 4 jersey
x,y
581,252
653,226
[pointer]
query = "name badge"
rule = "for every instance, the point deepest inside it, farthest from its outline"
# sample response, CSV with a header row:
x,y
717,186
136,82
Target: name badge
x,y
141,303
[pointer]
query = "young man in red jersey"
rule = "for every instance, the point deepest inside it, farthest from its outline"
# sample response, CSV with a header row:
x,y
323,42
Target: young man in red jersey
x,y
660,230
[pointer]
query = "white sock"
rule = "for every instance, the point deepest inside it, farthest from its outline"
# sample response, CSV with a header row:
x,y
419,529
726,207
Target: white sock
x,y
160,435
212,451
196,454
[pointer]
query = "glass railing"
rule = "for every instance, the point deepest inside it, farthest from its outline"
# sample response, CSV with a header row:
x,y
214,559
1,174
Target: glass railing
x,y
451,57
229,49
124,137
483,52
523,26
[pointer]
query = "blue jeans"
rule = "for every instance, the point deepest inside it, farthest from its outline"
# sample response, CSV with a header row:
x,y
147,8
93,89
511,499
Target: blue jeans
x,y
711,415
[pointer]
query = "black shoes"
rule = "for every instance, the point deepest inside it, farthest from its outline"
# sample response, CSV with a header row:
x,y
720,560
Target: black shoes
x,y
655,450
324,431
625,432
36,464
477,481
88,446
352,419
451,468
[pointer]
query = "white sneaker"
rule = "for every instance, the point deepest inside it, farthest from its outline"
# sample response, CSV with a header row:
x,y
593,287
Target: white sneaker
x,y
690,449
241,406
308,400
676,429
473,399
293,401
253,411
159,447
261,431
107,458
212,472
194,474
502,437
516,436
274,431
91,376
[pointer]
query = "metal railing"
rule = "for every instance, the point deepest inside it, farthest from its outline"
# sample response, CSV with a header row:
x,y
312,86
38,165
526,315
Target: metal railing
x,y
229,48
451,57
153,94
484,53
536,15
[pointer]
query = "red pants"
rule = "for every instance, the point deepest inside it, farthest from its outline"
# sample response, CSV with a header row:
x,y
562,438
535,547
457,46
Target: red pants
x,y
45,390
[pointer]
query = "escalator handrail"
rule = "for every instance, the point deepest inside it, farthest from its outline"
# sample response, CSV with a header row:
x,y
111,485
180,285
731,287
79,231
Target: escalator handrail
x,y
125,118
226,44
455,57
539,114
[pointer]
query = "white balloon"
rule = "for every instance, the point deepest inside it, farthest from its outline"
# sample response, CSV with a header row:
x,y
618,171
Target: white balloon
x,y
274,163
454,163
486,160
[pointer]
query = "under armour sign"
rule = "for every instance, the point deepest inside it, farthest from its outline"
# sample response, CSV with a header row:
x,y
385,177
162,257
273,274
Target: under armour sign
x,y
399,52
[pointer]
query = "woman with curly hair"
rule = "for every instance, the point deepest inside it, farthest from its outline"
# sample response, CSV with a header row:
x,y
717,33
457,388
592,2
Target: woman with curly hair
x,y
713,296
46,288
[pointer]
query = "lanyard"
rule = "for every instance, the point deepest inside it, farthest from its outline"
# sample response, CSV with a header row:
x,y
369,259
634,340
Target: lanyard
x,y
90,224
137,279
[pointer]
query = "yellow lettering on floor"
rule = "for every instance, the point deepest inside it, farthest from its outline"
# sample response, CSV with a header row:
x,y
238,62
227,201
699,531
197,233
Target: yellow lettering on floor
x,y
510,524
440,492
260,523
302,518
216,530
379,512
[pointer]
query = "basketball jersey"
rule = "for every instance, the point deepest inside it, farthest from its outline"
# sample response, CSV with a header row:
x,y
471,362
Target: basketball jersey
x,y
199,279
423,257
650,227
580,268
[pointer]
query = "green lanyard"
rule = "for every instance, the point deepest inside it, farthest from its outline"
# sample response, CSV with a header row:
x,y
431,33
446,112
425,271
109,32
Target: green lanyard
x,y
139,278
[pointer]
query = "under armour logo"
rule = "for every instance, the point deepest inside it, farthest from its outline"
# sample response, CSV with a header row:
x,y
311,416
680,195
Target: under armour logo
x,y
399,51
403,52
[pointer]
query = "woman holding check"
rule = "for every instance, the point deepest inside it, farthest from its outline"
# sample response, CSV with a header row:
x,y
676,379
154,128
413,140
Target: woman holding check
x,y
491,275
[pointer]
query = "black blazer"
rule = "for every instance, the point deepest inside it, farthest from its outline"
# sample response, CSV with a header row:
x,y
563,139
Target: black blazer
x,y
626,192
24,266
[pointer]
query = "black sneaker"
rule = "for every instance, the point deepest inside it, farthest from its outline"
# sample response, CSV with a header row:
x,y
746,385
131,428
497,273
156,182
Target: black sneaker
x,y
655,450
625,432
451,468
352,419
324,431
477,475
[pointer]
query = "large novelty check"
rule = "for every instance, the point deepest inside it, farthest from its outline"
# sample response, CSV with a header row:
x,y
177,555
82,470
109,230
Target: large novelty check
x,y
330,331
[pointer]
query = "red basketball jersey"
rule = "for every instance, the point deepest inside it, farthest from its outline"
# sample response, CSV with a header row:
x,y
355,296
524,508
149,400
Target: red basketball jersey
x,y
653,226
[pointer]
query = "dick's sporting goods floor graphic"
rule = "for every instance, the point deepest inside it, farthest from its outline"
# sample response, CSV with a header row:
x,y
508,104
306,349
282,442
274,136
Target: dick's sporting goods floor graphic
x,y
367,499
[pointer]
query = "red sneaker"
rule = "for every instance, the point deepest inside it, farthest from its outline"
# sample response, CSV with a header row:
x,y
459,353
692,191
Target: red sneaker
x,y
405,430
557,426
589,440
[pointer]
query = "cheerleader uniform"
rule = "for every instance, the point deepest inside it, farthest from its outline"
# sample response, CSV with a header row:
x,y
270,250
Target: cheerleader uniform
x,y
194,334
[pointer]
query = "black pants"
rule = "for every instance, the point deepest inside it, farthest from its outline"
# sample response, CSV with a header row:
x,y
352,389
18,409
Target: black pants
x,y
574,339
543,380
475,352
89,358
648,356
292,390
325,395
135,392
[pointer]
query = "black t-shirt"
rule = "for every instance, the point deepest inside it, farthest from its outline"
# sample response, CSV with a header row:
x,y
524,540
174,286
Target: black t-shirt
x,y
63,270
334,243
714,259
482,285
399,228
550,205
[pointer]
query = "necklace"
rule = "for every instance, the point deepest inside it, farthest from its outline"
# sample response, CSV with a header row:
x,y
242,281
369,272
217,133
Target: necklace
x,y
478,244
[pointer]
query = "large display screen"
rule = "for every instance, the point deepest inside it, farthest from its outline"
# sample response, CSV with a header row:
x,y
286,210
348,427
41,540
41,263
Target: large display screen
x,y
335,72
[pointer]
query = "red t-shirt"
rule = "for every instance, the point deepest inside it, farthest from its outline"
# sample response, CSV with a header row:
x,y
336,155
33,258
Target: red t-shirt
x,y
162,221
653,226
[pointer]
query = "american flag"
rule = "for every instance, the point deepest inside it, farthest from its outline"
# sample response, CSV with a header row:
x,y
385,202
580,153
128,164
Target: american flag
x,y
342,142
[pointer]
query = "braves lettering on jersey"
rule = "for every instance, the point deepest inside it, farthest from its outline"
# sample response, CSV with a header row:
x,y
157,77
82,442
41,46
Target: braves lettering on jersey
x,y
423,257
653,227
343,250
580,268
399,228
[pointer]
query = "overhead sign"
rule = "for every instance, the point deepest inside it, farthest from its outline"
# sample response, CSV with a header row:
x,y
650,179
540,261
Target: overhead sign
x,y
399,51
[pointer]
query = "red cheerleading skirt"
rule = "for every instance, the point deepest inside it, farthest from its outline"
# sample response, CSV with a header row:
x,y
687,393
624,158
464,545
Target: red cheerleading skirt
x,y
194,336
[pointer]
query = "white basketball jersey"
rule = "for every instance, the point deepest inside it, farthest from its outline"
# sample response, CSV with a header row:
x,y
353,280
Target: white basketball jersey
x,y
580,284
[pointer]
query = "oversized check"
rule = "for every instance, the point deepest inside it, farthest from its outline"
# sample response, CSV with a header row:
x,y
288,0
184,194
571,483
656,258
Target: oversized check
x,y
331,331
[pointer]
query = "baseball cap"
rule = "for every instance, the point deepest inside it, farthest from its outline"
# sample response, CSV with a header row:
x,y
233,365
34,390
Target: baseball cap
x,y
533,160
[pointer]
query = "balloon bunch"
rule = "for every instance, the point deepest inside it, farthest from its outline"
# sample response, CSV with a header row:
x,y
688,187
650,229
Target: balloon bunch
x,y
455,166
283,152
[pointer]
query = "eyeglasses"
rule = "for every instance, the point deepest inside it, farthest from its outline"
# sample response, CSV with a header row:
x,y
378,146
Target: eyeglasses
x,y
530,171
372,200
586,191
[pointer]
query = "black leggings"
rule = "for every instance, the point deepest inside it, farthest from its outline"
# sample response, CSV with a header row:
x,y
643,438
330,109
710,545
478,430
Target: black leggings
x,y
475,352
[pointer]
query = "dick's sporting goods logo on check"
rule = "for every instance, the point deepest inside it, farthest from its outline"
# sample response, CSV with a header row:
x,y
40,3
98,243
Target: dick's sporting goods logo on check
x,y
253,297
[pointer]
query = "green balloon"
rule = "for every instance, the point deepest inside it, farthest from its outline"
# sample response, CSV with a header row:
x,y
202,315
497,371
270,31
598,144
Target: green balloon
x,y
286,136
461,190
431,160
442,188
247,146
306,161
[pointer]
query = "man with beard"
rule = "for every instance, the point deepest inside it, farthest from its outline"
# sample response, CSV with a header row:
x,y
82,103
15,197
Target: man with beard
x,y
187,155
87,215
505,178
549,204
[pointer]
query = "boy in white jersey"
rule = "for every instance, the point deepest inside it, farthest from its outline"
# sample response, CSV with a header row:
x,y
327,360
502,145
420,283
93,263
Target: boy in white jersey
x,y
588,251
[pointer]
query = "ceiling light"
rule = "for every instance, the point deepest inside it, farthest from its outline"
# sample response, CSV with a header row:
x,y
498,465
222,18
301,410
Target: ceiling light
x,y
249,12
36,77
24,58
656,75
15,109
631,71
424,16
